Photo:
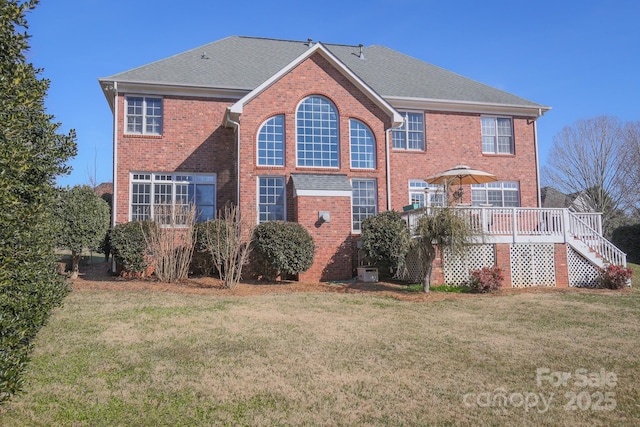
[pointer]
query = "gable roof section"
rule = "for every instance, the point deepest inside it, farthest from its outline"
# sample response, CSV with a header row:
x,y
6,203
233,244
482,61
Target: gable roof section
x,y
236,109
245,63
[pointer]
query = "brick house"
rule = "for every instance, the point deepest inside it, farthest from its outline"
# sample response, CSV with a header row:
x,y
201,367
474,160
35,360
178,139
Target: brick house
x,y
321,134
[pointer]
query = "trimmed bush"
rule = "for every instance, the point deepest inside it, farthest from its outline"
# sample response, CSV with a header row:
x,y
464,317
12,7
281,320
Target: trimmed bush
x,y
129,246
627,238
282,247
385,240
614,277
487,279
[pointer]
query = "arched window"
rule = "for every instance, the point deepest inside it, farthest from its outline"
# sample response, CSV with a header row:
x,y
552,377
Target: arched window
x,y
271,142
317,133
363,146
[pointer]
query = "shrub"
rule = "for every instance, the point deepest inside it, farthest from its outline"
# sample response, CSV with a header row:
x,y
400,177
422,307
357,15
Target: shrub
x,y
627,238
487,279
129,246
210,245
282,248
614,277
385,240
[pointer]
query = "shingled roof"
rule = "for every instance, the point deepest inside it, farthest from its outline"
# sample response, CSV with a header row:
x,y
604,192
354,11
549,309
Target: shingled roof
x,y
244,63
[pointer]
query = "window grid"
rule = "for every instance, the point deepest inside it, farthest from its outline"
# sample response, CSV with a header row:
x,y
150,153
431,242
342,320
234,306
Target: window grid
x,y
364,201
159,196
410,136
144,115
419,189
362,145
317,133
497,135
498,194
271,199
271,142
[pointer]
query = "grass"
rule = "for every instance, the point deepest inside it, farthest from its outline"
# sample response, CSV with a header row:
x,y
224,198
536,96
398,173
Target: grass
x,y
158,358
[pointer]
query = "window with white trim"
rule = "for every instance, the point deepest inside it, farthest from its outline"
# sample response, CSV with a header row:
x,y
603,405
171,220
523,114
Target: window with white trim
x,y
362,144
498,194
159,196
317,133
364,201
410,136
424,194
143,115
497,135
271,198
271,142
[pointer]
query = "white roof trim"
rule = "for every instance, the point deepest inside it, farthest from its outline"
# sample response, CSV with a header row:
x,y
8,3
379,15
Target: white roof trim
x,y
466,106
236,109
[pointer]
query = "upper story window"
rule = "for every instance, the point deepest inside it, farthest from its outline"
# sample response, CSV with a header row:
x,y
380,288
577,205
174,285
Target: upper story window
x,y
425,195
498,194
144,115
411,135
166,197
363,146
497,135
317,133
271,142
271,198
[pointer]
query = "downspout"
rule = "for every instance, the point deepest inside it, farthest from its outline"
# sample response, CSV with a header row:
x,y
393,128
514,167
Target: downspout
x,y
236,125
114,199
388,166
114,203
535,144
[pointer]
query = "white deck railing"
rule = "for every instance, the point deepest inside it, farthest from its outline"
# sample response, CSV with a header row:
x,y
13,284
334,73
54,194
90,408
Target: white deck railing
x,y
522,225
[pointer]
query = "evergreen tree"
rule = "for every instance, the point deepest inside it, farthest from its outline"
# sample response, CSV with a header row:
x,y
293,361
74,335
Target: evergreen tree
x,y
32,154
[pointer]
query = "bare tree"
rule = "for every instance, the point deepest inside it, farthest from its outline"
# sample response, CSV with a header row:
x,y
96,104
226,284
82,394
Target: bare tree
x,y
588,158
228,241
632,158
171,241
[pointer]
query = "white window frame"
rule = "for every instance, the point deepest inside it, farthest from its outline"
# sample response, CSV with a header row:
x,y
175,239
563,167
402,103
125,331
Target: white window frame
x,y
480,193
326,141
495,144
406,130
145,116
428,194
174,180
269,135
259,198
362,141
356,224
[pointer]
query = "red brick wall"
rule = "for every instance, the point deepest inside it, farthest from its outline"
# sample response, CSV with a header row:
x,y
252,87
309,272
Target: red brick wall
x,y
334,248
193,140
453,138
561,265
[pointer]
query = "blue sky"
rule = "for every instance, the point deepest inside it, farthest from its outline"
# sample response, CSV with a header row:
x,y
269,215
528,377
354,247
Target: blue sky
x,y
582,58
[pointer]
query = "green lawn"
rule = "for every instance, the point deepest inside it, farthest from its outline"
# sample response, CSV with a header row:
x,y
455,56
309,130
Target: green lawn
x,y
158,358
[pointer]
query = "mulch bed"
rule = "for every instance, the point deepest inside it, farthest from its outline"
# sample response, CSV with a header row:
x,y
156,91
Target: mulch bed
x,y
98,277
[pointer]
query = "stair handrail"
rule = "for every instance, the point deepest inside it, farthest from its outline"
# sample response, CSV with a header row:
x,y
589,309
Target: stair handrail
x,y
596,241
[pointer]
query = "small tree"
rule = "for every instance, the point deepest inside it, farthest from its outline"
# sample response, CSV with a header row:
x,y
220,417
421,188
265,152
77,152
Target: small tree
x,y
385,240
441,227
227,241
282,248
83,220
170,242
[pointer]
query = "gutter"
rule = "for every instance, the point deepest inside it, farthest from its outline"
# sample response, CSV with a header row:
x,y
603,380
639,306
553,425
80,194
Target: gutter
x,y
535,144
236,125
114,199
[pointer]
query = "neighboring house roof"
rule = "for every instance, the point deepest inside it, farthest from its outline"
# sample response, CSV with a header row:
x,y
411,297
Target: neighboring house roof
x,y
244,63
553,198
306,184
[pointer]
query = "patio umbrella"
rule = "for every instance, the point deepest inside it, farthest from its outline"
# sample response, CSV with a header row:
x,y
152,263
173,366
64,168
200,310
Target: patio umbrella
x,y
463,175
